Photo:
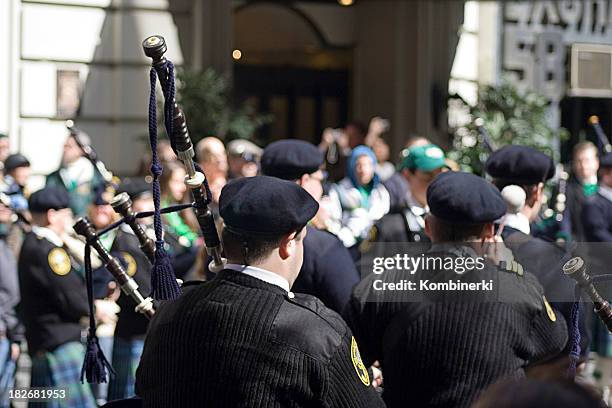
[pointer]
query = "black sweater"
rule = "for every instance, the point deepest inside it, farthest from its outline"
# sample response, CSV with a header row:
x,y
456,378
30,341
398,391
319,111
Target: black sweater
x,y
442,351
237,341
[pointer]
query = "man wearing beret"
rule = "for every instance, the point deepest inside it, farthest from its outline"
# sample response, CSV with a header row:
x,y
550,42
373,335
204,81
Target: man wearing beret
x,y
328,271
419,167
53,300
442,348
17,172
243,338
530,169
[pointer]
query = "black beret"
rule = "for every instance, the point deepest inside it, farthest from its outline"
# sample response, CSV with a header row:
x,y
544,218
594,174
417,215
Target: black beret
x,y
14,161
135,187
606,161
520,165
49,198
290,159
463,198
266,206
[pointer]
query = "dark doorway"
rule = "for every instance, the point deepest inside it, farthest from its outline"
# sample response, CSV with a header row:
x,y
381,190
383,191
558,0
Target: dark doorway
x,y
302,101
285,66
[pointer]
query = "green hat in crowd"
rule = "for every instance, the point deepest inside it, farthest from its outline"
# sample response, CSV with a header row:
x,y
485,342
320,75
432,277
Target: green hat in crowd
x,y
425,158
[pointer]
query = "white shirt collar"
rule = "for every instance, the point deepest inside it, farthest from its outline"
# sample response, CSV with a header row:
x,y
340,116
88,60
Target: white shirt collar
x,y
518,221
261,274
605,191
49,235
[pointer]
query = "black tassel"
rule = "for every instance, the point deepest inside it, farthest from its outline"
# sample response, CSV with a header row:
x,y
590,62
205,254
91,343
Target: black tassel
x,y
164,284
95,363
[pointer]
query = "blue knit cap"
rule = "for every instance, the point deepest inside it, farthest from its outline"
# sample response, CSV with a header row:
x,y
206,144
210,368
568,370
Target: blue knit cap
x,y
358,152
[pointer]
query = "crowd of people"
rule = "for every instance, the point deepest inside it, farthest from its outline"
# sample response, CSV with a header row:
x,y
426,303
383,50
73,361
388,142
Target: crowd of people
x,y
337,201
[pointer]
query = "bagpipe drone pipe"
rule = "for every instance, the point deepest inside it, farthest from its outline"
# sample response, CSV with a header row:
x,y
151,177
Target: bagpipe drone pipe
x,y
163,281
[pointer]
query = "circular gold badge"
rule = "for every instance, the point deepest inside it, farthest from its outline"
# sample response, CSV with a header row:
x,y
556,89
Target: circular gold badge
x,y
132,266
362,371
59,261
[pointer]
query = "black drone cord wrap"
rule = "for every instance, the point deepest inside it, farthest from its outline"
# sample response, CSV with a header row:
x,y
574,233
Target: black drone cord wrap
x,y
176,128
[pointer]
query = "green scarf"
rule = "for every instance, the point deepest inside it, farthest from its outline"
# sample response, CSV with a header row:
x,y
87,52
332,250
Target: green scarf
x,y
589,189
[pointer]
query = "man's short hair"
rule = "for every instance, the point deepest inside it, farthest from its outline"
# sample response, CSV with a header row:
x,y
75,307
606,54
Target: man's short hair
x,y
444,231
250,249
583,146
205,148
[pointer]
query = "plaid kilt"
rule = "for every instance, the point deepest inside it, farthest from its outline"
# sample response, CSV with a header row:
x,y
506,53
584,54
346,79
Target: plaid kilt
x,y
62,368
126,357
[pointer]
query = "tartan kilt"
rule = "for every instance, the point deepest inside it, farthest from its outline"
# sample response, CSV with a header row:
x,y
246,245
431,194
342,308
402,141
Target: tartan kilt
x,y
126,357
62,368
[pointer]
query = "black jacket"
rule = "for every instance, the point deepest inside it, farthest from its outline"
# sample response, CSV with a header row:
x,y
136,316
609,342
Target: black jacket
x,y
597,219
237,341
443,350
545,261
53,294
328,271
132,324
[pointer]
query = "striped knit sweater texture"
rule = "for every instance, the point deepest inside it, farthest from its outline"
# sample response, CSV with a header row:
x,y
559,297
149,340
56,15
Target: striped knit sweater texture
x,y
237,341
444,353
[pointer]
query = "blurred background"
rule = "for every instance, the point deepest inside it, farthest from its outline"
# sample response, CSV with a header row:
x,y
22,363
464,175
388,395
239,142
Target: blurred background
x,y
267,70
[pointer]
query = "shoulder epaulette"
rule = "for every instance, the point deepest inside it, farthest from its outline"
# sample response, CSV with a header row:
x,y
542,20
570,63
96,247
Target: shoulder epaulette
x,y
512,267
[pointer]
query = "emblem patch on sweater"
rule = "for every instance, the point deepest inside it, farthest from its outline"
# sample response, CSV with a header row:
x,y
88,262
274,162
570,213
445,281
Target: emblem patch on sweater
x,y
549,310
362,371
59,261
130,262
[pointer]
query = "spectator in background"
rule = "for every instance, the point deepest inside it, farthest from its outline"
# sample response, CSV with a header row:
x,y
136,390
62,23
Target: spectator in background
x,y
337,144
419,168
212,157
384,168
16,174
180,227
76,175
358,200
165,154
243,158
5,147
11,332
582,184
397,185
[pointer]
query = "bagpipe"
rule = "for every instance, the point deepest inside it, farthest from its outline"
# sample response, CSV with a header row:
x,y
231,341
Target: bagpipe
x,y
603,140
90,154
576,269
163,280
485,136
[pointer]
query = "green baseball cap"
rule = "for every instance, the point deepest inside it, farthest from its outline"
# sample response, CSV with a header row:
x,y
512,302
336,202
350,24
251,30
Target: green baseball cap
x,y
425,158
